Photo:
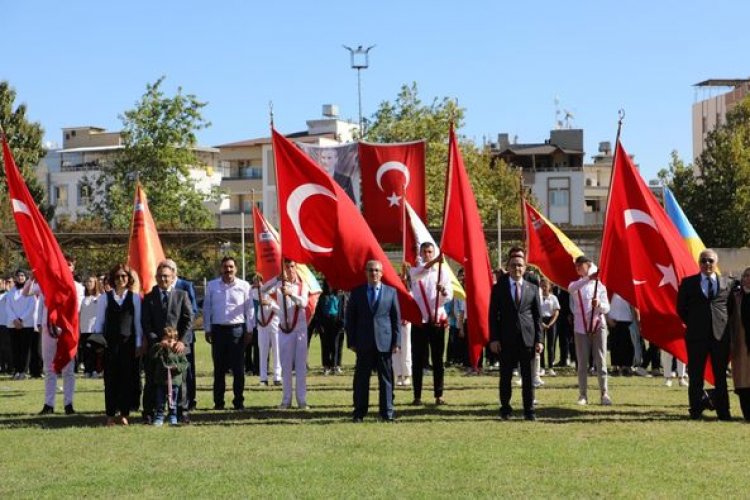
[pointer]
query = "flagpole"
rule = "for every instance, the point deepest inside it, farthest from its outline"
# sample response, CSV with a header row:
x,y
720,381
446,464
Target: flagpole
x,y
521,198
242,241
621,117
499,237
403,229
451,142
278,208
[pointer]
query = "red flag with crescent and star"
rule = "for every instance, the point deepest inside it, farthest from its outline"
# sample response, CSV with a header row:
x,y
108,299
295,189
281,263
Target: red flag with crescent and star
x,y
145,250
47,262
644,258
386,170
463,241
321,226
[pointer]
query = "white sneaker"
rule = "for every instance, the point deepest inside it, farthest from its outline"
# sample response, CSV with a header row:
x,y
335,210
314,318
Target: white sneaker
x,y
542,371
515,373
519,382
551,373
606,400
668,382
582,401
407,381
641,372
684,382
538,382
400,382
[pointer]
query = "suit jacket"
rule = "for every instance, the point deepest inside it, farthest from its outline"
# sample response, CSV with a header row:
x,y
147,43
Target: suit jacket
x,y
178,314
512,325
704,318
370,328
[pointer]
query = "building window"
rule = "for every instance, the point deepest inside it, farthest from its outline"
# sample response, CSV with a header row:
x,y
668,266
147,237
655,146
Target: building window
x,y
61,196
85,194
559,197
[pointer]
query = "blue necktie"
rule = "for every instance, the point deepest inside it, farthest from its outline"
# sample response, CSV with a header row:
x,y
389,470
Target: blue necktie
x,y
371,296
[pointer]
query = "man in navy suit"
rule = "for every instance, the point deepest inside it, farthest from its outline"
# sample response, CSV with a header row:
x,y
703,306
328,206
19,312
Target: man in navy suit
x,y
704,303
515,332
373,331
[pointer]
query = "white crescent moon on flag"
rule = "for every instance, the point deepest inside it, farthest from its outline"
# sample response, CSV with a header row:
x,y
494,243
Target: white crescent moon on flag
x,y
20,207
293,205
391,165
633,216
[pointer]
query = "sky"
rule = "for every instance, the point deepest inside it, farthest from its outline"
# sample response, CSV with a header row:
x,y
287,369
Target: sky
x,y
84,62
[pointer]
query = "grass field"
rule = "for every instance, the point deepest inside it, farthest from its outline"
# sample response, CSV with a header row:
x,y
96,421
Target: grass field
x,y
643,446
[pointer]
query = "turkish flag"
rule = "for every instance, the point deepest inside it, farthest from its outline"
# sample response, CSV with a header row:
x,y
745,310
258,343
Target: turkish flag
x,y
644,258
387,169
145,250
267,246
549,249
463,240
47,262
321,226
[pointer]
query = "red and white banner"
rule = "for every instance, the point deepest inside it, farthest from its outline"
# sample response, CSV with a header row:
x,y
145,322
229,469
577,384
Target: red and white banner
x,y
388,170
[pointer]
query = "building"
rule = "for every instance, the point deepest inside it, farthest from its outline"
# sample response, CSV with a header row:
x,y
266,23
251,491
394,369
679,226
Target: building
x,y
69,173
248,174
597,177
711,111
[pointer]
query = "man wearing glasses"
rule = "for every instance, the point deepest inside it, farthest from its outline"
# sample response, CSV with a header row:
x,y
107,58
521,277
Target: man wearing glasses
x,y
165,306
373,331
703,303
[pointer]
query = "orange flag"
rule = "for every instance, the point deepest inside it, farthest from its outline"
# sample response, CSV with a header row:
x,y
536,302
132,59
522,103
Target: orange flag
x,y
145,251
267,246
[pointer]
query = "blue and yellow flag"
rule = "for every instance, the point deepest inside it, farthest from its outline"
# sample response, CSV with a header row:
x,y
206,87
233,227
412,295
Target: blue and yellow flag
x,y
686,229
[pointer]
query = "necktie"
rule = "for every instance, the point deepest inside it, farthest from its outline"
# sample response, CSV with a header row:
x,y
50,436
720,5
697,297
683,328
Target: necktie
x,y
164,299
371,296
518,293
710,289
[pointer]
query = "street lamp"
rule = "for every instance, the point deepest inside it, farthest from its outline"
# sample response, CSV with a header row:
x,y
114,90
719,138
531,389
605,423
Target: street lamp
x,y
360,59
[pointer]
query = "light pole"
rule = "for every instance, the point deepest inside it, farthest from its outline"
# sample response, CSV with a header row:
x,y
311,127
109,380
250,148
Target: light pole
x,y
360,59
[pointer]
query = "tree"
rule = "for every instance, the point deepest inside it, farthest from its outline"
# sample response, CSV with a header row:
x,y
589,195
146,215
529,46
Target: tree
x,y
408,119
159,141
25,141
716,199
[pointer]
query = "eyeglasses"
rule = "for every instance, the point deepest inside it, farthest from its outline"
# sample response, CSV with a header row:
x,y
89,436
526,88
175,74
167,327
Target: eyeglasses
x,y
164,276
374,270
706,260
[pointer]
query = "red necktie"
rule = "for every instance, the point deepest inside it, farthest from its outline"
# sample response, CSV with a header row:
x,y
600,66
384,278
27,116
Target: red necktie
x,y
518,293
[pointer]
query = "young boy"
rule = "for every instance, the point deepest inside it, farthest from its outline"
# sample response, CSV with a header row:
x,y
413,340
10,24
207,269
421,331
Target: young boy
x,y
169,373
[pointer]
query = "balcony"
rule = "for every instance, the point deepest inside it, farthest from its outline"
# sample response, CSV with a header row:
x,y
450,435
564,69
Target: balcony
x,y
241,185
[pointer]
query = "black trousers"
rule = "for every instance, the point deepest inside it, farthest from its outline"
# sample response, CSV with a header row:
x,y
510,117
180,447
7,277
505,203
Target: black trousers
x,y
426,336
622,350
565,340
339,346
550,341
121,368
228,353
21,343
510,357
744,395
328,332
190,378
698,351
6,351
35,354
366,362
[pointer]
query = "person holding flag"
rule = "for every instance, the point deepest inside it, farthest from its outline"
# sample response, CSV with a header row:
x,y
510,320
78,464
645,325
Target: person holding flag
x,y
431,288
589,303
267,321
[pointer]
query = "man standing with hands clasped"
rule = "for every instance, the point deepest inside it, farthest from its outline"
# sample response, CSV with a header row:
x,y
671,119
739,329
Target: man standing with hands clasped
x,y
373,331
515,333
704,303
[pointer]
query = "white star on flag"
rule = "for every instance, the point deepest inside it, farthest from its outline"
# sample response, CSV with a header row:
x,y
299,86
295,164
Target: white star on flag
x,y
670,278
393,200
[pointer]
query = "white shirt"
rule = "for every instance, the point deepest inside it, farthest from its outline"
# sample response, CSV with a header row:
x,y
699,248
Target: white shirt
x,y
586,288
88,313
550,304
294,303
620,309
102,313
3,312
228,304
714,283
20,306
424,289
271,310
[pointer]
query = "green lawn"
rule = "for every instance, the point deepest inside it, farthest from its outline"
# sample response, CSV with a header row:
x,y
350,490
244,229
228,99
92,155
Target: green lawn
x,y
643,446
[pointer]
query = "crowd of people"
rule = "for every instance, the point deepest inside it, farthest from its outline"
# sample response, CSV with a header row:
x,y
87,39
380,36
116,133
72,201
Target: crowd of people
x,y
144,345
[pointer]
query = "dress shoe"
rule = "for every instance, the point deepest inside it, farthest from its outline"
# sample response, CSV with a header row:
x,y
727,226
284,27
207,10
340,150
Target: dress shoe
x,y
725,418
69,409
357,420
239,407
110,422
416,402
440,401
277,382
185,419
530,417
124,421
47,410
219,407
505,415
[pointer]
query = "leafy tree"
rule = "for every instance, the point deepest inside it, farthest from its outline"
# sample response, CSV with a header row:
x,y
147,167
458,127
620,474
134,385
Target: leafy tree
x,y
409,119
716,199
158,137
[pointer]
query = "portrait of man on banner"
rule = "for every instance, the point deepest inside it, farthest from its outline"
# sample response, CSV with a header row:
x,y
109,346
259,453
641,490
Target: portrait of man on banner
x,y
340,162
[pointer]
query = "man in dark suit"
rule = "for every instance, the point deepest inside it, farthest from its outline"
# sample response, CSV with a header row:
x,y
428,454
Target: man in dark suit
x,y
373,331
704,303
515,332
165,306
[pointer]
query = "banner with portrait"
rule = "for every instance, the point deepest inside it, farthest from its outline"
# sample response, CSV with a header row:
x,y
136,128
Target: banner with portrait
x,y
340,162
